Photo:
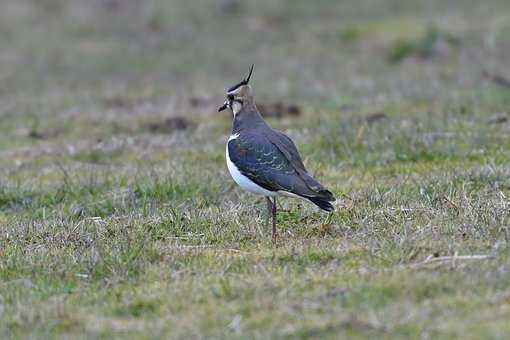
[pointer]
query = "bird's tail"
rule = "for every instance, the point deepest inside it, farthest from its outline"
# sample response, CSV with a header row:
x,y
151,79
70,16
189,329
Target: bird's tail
x,y
323,199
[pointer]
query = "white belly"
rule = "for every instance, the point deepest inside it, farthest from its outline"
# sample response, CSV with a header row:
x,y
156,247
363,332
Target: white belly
x,y
243,181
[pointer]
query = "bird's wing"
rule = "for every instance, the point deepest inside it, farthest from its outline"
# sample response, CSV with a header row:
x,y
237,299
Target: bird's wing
x,y
261,161
287,147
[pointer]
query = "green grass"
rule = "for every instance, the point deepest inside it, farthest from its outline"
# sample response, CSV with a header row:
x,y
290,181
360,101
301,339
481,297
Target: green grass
x,y
109,230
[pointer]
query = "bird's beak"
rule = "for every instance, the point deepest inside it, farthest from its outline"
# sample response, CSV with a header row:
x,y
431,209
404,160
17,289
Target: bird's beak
x,y
223,107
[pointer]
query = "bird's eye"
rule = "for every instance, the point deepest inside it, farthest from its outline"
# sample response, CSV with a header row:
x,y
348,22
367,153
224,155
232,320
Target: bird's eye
x,y
230,97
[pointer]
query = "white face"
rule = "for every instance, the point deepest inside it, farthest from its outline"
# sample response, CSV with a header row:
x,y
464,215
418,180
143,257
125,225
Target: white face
x,y
236,99
236,107
234,102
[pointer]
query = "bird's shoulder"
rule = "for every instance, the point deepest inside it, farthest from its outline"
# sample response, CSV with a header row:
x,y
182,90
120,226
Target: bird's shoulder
x,y
252,149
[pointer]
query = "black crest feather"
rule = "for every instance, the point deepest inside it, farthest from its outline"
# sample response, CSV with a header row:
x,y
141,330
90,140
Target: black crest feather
x,y
245,81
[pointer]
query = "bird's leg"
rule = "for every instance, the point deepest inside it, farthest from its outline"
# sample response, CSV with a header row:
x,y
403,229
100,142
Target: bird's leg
x,y
269,210
274,219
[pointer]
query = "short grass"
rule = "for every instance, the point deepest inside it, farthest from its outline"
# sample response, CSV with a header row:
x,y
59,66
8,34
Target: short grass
x,y
113,229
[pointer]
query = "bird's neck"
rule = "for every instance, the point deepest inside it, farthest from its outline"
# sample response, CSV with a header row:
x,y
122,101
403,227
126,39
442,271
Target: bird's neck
x,y
248,117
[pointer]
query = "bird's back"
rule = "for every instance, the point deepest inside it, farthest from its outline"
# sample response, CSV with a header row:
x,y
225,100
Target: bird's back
x,y
270,158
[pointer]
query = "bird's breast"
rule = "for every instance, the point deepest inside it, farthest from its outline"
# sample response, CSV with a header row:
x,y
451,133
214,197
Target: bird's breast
x,y
243,181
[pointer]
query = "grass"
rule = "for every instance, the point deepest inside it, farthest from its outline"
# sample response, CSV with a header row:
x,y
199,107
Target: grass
x,y
112,227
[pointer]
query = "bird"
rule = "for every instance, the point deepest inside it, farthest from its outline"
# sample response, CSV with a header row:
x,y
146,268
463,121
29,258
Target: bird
x,y
265,161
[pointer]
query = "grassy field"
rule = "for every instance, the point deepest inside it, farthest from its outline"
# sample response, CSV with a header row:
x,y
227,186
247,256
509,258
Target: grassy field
x,y
117,214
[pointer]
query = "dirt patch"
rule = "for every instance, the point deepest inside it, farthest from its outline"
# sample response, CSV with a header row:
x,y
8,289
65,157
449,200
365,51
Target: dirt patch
x,y
119,102
279,110
201,102
168,125
230,6
497,79
39,134
375,117
498,118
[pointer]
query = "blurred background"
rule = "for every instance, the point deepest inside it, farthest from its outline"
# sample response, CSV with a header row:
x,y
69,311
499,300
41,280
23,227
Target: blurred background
x,y
100,63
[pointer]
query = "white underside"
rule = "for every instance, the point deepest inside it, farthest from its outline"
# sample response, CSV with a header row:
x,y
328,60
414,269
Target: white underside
x,y
243,181
247,184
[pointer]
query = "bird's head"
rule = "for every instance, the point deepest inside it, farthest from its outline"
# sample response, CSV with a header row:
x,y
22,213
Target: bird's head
x,y
239,95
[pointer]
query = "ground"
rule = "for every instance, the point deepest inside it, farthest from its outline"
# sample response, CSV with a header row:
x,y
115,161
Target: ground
x,y
118,216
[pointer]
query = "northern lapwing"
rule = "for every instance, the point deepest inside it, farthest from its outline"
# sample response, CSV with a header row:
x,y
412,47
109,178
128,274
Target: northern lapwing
x,y
265,161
